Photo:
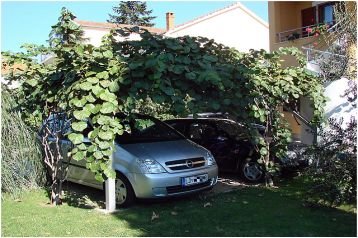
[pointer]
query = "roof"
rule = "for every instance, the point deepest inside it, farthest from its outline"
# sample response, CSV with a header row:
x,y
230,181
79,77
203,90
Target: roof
x,y
217,13
105,25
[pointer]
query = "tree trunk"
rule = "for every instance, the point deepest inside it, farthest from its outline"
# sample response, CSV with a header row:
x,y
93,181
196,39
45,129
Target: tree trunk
x,y
268,176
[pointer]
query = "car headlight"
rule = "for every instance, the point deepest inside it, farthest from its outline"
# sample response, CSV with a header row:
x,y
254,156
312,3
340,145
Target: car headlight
x,y
150,166
210,159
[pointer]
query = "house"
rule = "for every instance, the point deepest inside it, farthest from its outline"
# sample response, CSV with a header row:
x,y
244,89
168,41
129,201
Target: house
x,y
290,24
234,26
94,31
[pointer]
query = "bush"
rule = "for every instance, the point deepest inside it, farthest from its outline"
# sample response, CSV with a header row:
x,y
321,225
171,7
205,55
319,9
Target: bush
x,y
334,169
21,166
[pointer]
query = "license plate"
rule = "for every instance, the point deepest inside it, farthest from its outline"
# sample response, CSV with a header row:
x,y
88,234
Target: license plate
x,y
192,180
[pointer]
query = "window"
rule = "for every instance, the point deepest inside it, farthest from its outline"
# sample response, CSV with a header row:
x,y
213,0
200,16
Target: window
x,y
178,126
146,130
326,13
231,129
201,131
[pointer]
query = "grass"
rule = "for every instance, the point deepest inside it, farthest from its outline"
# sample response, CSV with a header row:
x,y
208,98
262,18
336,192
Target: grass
x,y
249,211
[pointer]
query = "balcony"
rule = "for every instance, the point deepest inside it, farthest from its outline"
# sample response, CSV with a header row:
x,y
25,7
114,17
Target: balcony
x,y
300,33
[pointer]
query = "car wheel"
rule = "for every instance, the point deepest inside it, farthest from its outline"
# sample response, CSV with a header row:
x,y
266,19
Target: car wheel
x,y
251,171
124,191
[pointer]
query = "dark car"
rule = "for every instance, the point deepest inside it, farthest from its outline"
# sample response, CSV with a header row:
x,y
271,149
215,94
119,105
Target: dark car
x,y
232,148
227,140
296,159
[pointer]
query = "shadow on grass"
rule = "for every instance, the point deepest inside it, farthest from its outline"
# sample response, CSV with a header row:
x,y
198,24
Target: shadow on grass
x,y
247,211
80,196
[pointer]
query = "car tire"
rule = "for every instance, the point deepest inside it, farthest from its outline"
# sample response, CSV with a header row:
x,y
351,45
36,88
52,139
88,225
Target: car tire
x,y
124,191
251,171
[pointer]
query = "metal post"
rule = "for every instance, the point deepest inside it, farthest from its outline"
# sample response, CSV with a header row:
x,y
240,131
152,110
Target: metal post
x,y
110,195
110,190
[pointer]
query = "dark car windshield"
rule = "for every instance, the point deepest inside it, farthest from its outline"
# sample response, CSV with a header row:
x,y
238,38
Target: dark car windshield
x,y
145,130
233,129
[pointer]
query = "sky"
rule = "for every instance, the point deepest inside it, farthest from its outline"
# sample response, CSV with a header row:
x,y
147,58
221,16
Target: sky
x,y
31,21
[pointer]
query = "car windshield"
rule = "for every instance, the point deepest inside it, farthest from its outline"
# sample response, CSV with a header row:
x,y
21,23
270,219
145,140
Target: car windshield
x,y
232,129
145,130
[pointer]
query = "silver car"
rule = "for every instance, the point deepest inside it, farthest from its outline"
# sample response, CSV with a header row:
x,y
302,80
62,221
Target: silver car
x,y
151,160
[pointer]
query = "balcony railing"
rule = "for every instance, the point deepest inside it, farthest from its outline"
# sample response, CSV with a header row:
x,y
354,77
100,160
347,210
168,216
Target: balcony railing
x,y
313,55
298,33
330,64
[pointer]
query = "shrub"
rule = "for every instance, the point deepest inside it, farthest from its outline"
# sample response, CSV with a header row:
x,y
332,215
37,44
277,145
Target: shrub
x,y
21,165
334,169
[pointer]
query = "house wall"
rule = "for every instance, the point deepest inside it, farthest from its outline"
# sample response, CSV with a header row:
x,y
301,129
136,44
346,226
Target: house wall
x,y
338,106
285,16
95,35
235,28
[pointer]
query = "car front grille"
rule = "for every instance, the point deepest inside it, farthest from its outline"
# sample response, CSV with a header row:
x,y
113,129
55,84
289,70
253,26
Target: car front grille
x,y
180,189
183,164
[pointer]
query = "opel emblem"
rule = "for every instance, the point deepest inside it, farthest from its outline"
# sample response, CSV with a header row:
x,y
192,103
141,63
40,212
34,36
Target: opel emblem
x,y
189,164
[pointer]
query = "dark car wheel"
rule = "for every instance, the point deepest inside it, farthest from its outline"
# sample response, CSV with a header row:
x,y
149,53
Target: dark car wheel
x,y
251,171
124,191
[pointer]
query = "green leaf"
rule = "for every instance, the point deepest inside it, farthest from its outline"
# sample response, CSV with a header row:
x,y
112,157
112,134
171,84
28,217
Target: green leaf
x,y
105,135
92,80
98,155
90,98
81,115
108,54
32,82
114,70
79,126
104,145
97,90
79,155
76,138
108,107
97,54
92,148
107,96
210,58
89,107
168,91
96,109
103,120
105,83
113,86
110,173
107,152
93,134
263,151
190,75
134,65
99,177
103,75
78,103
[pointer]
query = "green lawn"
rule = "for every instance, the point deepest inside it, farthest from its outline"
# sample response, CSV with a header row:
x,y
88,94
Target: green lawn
x,y
250,211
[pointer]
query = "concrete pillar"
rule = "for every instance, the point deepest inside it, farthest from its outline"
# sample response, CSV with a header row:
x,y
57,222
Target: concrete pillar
x,y
110,185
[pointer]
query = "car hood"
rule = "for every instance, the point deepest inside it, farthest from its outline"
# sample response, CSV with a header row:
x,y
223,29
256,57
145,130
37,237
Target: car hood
x,y
166,151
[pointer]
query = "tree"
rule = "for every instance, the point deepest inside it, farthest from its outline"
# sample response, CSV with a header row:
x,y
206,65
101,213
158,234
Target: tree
x,y
132,13
182,75
334,169
333,174
340,58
